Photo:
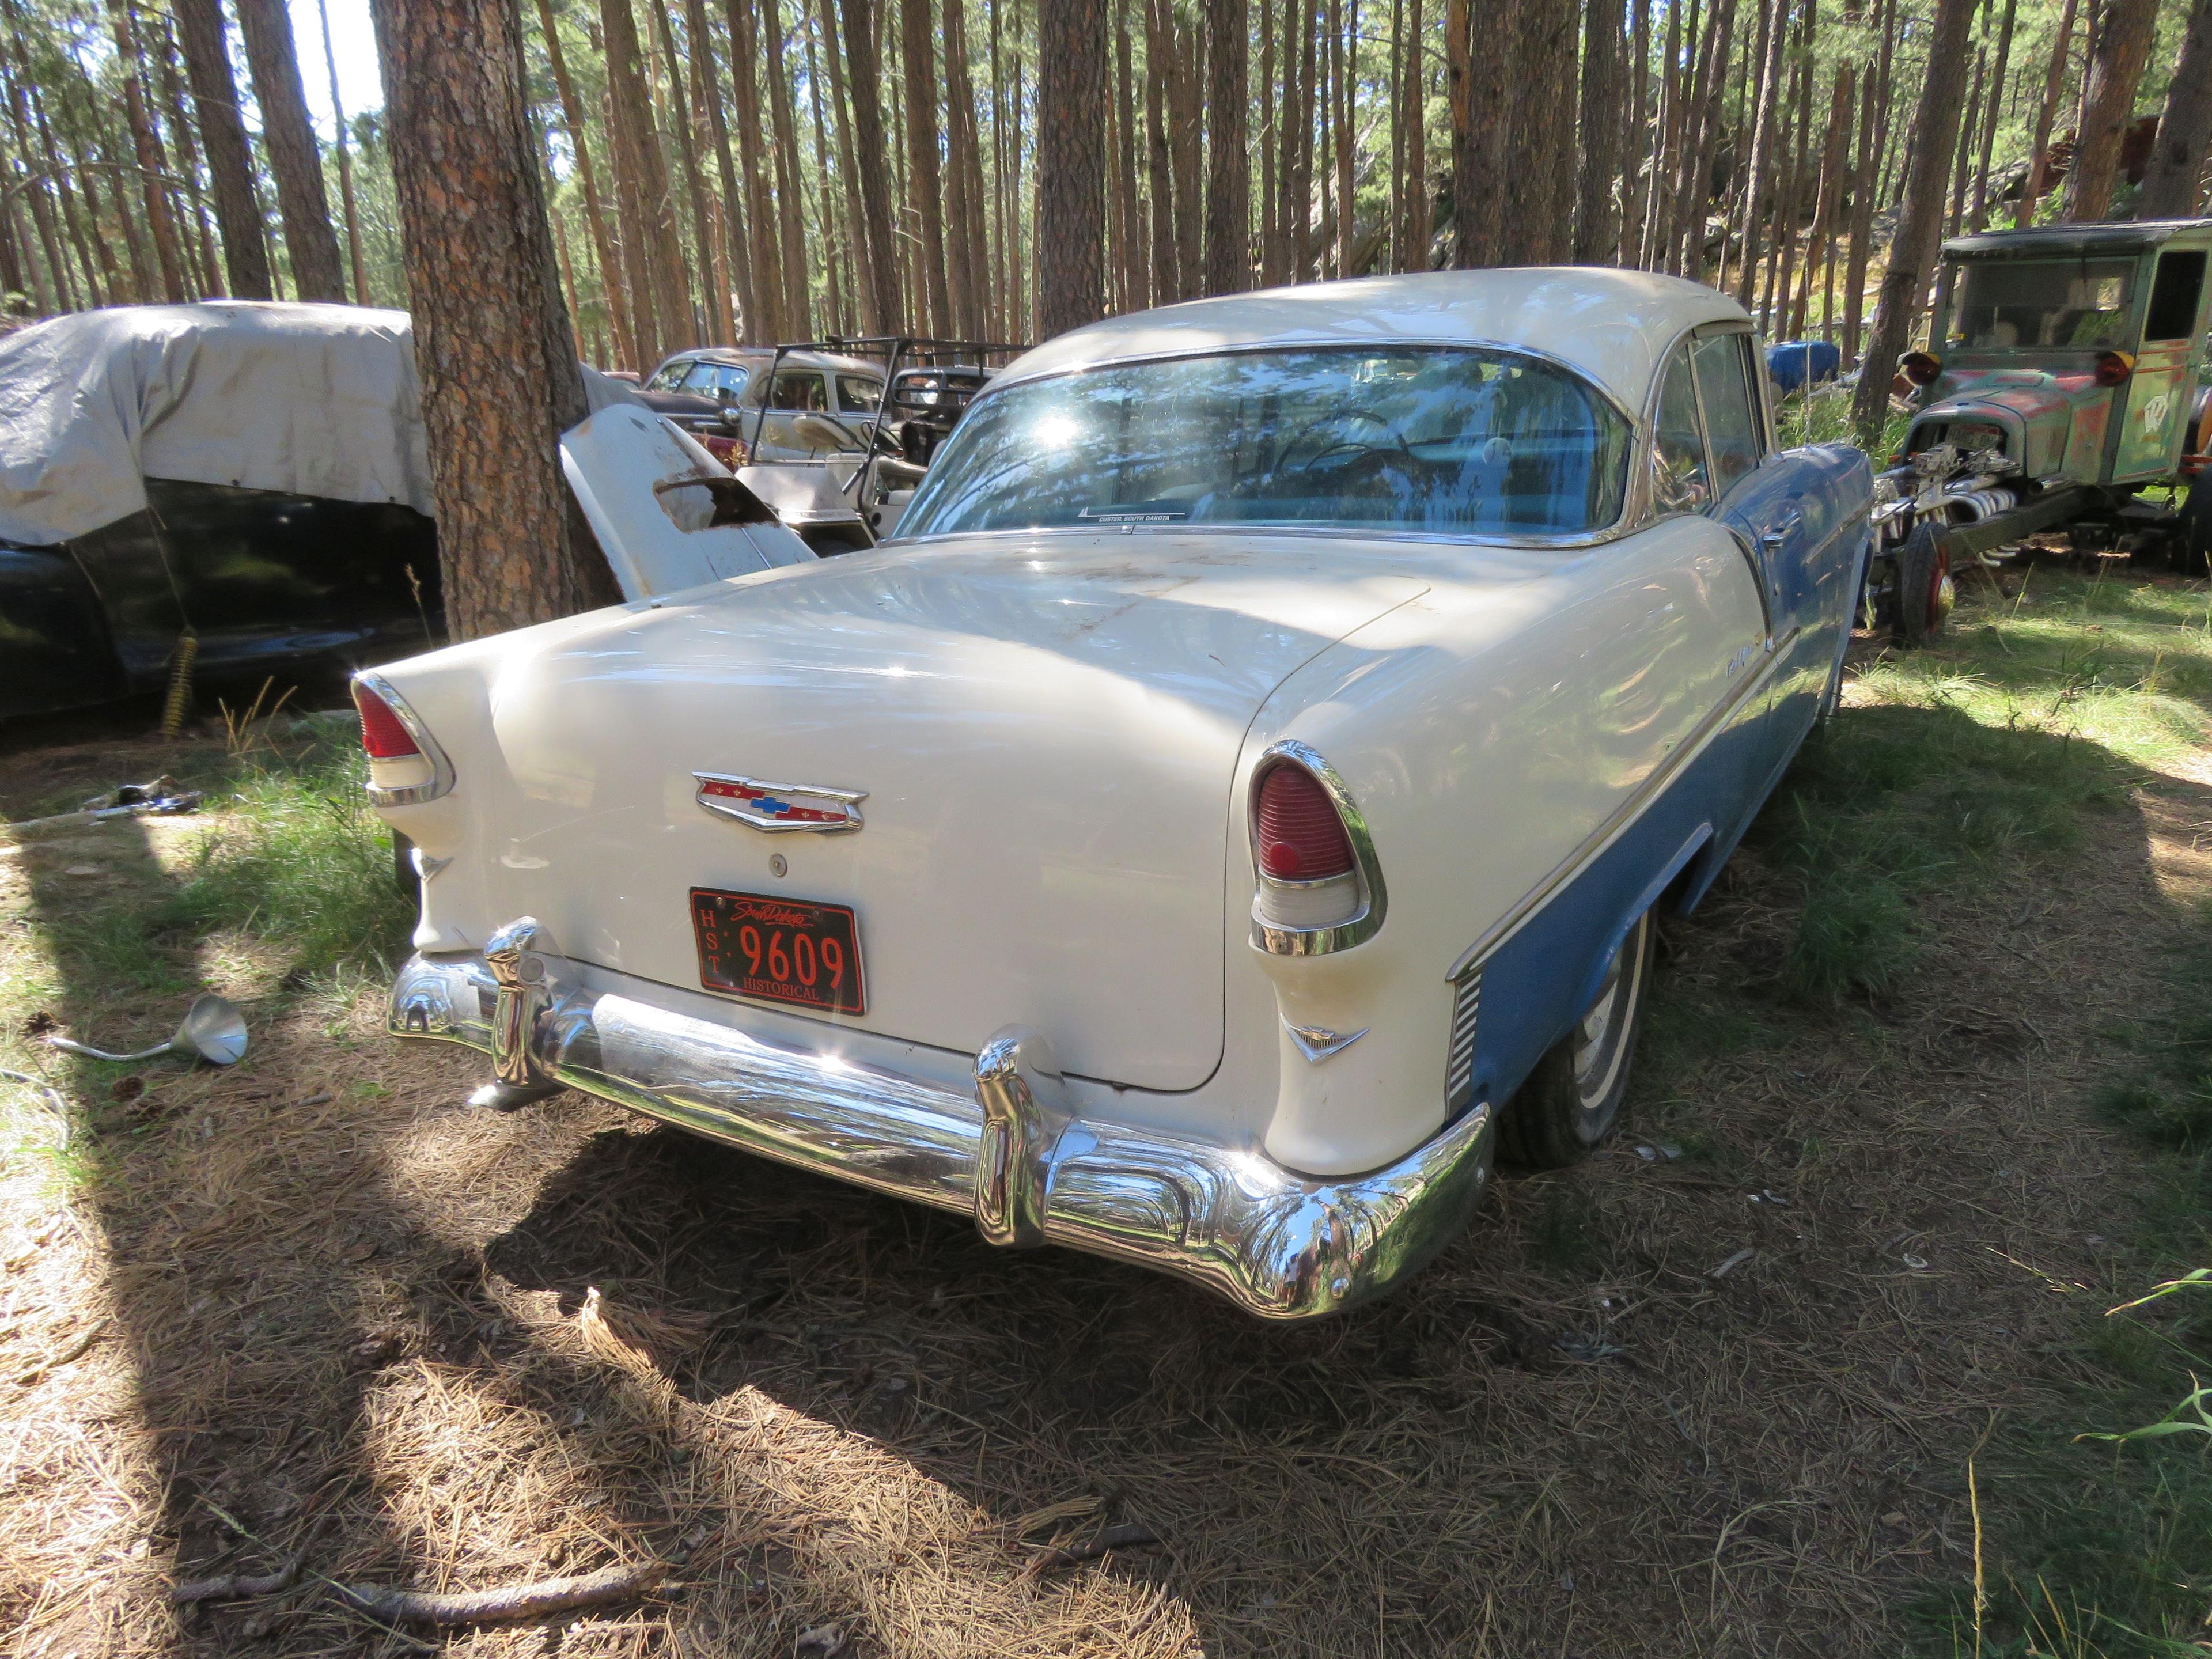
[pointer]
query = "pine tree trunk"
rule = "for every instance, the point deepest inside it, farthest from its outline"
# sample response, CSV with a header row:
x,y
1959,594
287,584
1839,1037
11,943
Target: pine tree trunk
x,y
611,283
835,264
1596,228
869,139
153,165
2124,29
1551,132
655,249
1935,130
1342,43
1861,221
856,220
496,358
1990,110
960,203
47,280
222,136
1185,122
925,185
345,162
1821,242
798,305
687,144
765,322
1071,163
1167,277
2054,82
187,201
2184,126
1227,167
1469,247
1669,185
1756,180
707,104
1414,116
310,241
1137,270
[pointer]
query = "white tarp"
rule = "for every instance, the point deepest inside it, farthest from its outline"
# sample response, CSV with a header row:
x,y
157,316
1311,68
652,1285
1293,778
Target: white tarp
x,y
304,399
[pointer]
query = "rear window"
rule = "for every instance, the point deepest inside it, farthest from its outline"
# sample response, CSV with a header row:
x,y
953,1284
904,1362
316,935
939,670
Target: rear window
x,y
2042,302
1414,438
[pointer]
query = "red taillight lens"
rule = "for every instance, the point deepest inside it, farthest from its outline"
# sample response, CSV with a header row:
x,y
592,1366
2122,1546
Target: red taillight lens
x,y
382,733
2114,367
1921,367
1297,836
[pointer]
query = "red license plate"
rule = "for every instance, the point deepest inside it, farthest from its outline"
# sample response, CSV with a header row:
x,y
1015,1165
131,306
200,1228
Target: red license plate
x,y
779,949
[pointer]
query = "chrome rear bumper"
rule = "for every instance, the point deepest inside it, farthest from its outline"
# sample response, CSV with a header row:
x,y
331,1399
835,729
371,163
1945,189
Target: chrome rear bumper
x,y
1278,1244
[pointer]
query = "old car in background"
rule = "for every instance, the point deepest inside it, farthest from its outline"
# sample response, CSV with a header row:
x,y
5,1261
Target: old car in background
x,y
1238,800
245,477
747,401
238,489
2065,378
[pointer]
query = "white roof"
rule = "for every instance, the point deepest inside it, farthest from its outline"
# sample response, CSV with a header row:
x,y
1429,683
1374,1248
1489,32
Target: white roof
x,y
304,399
1613,325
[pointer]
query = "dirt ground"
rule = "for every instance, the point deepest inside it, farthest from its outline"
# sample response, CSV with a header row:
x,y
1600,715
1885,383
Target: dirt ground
x,y
318,1310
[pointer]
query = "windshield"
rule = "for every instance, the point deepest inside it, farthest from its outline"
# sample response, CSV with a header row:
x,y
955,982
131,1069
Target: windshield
x,y
2041,303
1443,440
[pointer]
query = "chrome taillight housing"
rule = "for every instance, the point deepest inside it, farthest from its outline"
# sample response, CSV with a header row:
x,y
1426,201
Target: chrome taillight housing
x,y
405,765
1317,885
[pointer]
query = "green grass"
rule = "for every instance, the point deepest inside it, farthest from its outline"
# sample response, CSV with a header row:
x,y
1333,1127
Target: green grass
x,y
301,867
1982,761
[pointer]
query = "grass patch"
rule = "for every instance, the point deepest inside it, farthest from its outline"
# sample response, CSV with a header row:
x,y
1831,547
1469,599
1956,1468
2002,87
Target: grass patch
x,y
1982,761
300,865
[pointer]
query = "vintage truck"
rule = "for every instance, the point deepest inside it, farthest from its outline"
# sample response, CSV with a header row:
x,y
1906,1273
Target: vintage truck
x,y
2064,379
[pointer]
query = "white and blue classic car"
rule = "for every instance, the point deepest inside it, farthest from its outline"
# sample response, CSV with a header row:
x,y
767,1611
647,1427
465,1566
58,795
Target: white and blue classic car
x,y
1235,805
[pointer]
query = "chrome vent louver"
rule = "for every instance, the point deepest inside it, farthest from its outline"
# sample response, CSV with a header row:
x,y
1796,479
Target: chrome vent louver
x,y
1459,1066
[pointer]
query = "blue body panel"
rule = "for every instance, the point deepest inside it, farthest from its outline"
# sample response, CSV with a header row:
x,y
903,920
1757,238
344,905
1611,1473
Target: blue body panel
x,y
1802,518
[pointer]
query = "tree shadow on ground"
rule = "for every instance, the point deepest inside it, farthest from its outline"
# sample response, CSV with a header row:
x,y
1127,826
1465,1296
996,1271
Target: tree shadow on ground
x,y
359,1325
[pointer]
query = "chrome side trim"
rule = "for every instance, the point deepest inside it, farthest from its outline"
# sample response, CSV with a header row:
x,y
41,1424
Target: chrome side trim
x,y
441,769
1374,897
1624,816
1280,1245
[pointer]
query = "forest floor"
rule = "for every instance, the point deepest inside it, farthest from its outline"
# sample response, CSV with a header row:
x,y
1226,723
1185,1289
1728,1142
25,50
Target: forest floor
x,y
1921,1100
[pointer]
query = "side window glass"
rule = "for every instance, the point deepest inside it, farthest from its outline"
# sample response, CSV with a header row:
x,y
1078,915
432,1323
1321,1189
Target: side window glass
x,y
858,395
701,380
1678,458
800,392
667,377
1731,420
2173,296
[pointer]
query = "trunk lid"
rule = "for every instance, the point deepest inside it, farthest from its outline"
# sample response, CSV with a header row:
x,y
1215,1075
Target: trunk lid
x,y
1046,730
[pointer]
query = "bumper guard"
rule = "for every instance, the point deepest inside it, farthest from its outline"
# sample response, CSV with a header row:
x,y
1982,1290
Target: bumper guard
x,y
1278,1244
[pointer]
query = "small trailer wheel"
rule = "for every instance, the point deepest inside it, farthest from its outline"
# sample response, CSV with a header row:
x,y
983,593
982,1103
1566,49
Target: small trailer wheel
x,y
1925,593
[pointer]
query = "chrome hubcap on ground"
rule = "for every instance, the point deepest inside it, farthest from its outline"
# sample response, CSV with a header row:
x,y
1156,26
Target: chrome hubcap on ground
x,y
1601,1045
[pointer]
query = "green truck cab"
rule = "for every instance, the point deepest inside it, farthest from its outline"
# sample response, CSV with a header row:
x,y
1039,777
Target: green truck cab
x,y
2065,376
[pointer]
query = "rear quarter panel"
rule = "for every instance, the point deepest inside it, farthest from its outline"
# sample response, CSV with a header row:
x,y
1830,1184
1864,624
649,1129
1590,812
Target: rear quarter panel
x,y
1482,770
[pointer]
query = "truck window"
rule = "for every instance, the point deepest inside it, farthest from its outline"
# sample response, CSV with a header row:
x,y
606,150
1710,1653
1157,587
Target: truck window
x,y
2056,303
2174,292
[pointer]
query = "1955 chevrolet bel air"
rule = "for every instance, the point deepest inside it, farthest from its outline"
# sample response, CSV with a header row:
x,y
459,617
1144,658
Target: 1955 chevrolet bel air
x,y
1235,804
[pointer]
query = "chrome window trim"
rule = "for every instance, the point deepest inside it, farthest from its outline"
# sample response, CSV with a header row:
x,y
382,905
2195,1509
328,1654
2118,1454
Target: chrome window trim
x,y
441,769
1630,519
1374,897
1621,820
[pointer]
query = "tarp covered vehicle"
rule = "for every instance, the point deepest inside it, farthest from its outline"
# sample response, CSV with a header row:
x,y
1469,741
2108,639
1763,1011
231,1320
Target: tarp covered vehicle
x,y
2064,378
252,477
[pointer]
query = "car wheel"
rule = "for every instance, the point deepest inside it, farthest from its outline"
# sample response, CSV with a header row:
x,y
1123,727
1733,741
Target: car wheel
x,y
1925,593
2192,539
1572,1099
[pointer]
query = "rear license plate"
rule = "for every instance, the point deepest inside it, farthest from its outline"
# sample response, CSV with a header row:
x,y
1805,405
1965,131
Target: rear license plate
x,y
779,950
